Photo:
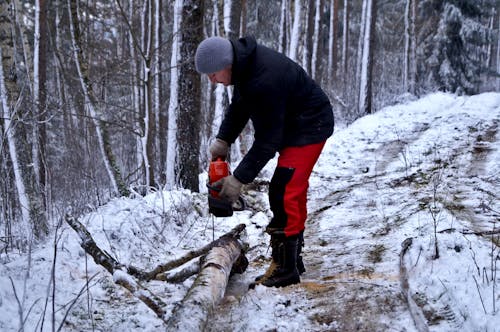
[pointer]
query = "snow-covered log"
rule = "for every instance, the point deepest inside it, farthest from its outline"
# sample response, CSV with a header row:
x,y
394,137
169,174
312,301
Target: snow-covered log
x,y
208,289
223,256
121,275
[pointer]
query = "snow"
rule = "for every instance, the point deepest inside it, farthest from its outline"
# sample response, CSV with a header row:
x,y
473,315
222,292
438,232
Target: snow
x,y
425,170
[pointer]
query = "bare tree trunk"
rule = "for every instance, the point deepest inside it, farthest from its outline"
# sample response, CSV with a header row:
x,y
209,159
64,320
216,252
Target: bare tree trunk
x,y
409,55
232,15
173,107
332,42
189,117
498,53
39,96
114,174
317,37
283,27
365,90
308,41
28,195
345,44
359,50
243,20
147,74
9,131
157,73
296,30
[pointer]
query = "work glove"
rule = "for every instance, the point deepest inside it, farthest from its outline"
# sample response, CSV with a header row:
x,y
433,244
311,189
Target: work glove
x,y
218,149
230,188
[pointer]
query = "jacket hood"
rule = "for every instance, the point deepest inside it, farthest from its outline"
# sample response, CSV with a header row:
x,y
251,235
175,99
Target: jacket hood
x,y
244,53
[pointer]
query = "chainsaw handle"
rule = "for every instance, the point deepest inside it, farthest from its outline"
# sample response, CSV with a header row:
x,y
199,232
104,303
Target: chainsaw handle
x,y
217,189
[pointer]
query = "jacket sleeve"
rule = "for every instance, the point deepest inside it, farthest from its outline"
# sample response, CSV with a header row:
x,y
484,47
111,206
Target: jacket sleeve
x,y
269,128
235,119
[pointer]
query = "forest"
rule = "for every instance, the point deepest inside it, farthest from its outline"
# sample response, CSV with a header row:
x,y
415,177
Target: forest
x,y
100,99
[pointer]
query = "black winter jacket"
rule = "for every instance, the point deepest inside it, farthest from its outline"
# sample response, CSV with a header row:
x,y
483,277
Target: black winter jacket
x,y
286,106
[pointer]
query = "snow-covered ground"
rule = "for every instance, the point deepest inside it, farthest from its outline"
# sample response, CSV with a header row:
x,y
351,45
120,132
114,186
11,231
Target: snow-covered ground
x,y
402,207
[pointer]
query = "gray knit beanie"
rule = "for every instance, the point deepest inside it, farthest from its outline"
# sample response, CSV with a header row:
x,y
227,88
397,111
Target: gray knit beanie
x,y
213,54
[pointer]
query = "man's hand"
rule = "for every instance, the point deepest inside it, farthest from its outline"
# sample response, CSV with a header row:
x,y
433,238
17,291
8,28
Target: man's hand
x,y
218,149
231,188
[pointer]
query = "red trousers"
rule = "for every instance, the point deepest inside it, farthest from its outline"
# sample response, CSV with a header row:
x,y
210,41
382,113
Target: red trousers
x,y
288,188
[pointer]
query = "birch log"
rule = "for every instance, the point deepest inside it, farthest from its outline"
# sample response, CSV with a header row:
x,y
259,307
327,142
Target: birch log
x,y
208,289
223,256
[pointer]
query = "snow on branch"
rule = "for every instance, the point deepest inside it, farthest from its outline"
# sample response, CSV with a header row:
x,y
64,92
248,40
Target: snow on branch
x,y
222,257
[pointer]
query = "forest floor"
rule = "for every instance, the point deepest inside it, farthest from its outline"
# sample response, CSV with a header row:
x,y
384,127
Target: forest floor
x,y
402,236
420,172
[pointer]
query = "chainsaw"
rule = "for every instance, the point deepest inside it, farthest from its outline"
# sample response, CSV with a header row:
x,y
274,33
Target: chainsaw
x,y
218,206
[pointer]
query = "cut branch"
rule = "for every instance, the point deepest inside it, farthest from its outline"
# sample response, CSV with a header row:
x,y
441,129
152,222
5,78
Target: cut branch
x,y
234,233
120,277
223,257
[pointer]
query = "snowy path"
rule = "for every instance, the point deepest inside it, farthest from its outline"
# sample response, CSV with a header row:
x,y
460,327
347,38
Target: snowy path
x,y
365,200
426,171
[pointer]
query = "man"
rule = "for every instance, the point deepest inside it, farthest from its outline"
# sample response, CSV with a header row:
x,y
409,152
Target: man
x,y
291,115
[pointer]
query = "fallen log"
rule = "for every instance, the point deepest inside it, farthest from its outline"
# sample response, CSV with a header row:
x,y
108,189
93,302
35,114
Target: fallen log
x,y
192,313
224,256
118,270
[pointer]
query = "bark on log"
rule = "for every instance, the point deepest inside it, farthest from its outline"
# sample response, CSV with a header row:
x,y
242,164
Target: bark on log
x,y
225,255
208,289
234,233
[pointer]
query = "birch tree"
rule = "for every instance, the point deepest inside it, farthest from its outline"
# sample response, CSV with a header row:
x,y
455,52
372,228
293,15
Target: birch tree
x,y
332,42
173,106
39,95
316,42
410,51
29,198
308,38
366,79
296,30
345,44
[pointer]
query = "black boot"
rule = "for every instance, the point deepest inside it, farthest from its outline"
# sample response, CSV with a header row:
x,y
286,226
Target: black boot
x,y
286,272
275,261
300,263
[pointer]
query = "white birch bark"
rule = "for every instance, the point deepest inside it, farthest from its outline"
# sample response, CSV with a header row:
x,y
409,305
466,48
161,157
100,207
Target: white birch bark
x,y
498,55
362,28
192,314
282,32
9,133
364,79
413,49
146,75
316,35
345,39
135,82
227,17
406,54
36,93
157,82
173,106
331,42
296,30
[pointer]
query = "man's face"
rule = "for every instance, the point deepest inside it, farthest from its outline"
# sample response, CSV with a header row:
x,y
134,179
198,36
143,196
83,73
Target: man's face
x,y
222,76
